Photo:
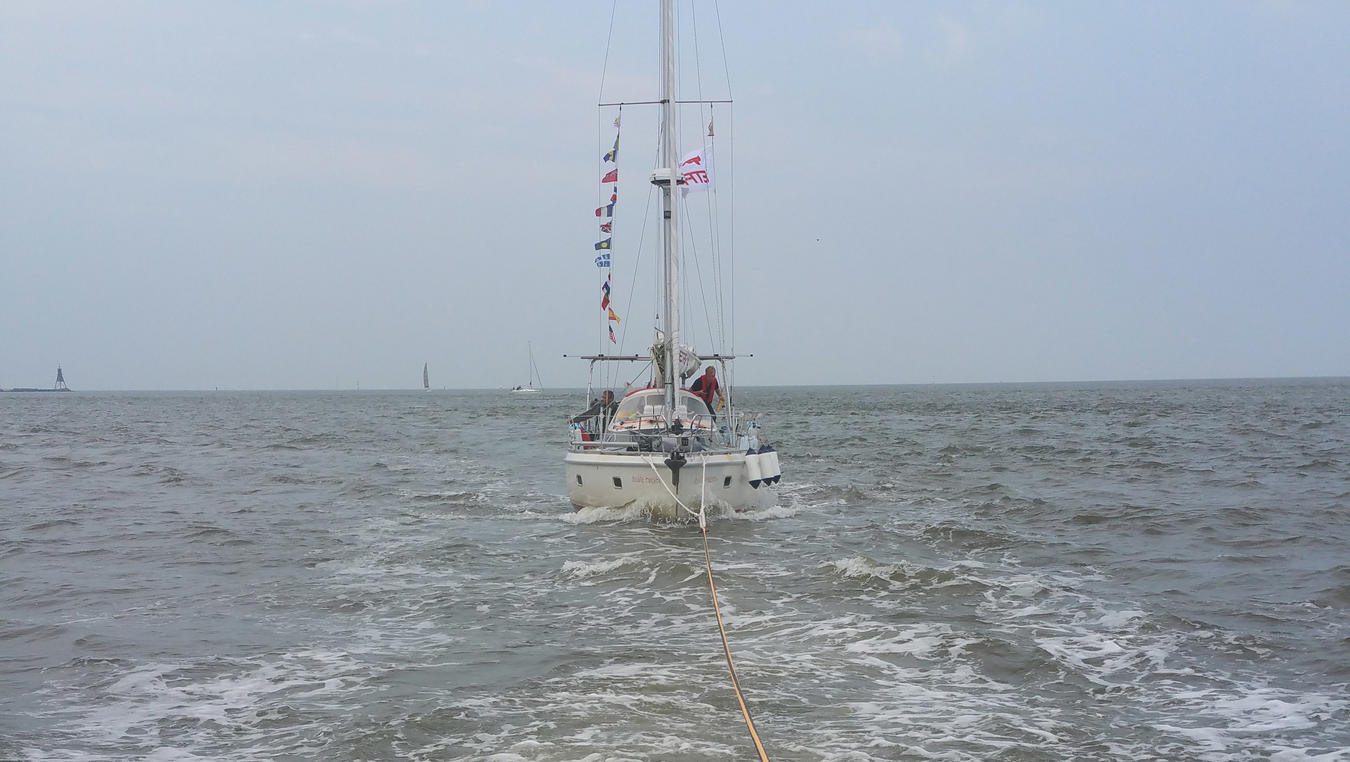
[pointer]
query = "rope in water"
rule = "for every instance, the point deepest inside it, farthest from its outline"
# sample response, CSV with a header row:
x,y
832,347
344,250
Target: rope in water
x,y
721,628
726,649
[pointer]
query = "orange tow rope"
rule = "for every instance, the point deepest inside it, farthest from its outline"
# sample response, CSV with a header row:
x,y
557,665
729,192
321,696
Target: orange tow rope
x,y
726,649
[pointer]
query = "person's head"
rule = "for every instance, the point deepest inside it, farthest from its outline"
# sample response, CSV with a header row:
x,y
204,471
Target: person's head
x,y
606,397
710,372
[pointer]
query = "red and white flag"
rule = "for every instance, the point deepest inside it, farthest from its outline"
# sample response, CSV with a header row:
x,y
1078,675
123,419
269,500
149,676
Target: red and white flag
x,y
696,167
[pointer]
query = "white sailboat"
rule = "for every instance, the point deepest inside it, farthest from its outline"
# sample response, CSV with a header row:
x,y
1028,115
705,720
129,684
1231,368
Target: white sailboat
x,y
661,446
426,380
534,384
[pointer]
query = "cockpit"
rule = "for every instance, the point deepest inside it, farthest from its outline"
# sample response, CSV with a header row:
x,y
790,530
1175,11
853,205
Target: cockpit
x,y
646,409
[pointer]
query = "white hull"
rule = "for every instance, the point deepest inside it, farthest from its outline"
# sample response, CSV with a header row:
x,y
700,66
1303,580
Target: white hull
x,y
618,480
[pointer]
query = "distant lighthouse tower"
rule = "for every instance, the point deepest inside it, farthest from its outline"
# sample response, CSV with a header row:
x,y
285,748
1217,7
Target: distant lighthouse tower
x,y
60,381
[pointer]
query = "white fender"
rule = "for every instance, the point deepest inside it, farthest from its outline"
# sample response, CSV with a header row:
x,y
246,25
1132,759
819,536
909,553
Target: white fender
x,y
753,471
769,464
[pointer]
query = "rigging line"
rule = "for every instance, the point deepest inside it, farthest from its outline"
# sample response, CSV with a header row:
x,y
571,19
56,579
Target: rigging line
x,y
731,224
600,199
693,255
708,201
716,329
698,59
599,192
724,283
647,216
721,37
710,157
731,233
632,381
698,79
609,40
612,378
715,227
637,260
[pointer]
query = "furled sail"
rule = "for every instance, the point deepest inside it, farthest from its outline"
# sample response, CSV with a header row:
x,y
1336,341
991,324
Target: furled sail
x,y
688,359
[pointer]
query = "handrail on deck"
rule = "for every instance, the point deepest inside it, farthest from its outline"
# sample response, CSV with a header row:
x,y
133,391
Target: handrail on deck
x,y
712,436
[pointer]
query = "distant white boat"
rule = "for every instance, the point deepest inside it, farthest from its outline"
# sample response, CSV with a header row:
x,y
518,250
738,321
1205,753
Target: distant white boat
x,y
426,380
534,384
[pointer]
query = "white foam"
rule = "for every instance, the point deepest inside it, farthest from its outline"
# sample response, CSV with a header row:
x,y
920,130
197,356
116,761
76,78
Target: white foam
x,y
229,701
583,569
164,754
598,514
765,514
858,566
909,644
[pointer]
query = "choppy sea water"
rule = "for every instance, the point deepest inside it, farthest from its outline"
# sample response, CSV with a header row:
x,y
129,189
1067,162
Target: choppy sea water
x,y
1135,571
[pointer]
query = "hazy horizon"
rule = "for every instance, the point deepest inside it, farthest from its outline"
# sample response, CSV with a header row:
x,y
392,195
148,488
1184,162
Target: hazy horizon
x,y
578,388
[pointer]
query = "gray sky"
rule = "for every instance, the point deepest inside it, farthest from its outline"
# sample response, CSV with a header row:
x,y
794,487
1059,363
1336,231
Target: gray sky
x,y
258,195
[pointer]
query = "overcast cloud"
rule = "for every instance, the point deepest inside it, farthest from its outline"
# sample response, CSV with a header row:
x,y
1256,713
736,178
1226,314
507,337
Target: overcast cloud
x,y
305,195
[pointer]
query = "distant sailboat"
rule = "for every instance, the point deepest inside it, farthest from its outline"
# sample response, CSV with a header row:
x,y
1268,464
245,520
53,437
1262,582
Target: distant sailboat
x,y
426,380
534,385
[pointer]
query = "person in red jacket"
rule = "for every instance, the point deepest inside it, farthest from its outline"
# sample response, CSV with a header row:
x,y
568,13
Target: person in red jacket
x,y
706,387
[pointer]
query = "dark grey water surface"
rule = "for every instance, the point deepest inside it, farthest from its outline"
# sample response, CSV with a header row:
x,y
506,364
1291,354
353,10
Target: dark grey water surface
x,y
1140,571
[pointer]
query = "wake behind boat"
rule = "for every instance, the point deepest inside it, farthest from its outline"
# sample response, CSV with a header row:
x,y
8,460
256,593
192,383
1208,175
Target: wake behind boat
x,y
669,446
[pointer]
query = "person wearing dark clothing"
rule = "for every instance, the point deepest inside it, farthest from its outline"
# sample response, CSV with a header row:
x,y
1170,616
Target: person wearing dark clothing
x,y
604,409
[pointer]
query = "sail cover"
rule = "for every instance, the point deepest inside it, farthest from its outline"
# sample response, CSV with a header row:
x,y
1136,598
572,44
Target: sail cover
x,y
688,359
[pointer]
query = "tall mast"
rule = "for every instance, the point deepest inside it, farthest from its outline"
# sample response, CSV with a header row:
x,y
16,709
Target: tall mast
x,y
669,173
